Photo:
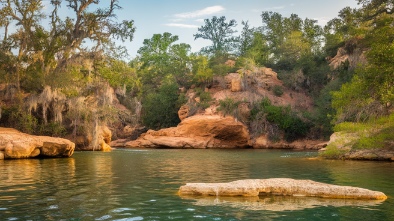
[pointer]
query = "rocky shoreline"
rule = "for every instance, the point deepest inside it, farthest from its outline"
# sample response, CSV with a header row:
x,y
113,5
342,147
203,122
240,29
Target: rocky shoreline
x,y
17,145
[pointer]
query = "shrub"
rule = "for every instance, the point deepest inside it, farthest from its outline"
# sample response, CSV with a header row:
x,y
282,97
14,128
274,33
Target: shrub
x,y
278,91
287,120
205,98
160,109
229,107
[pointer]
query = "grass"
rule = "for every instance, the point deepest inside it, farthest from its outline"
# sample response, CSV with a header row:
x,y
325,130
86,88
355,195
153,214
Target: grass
x,y
374,134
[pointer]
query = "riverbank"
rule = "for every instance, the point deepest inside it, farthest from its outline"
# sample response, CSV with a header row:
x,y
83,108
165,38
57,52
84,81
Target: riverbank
x,y
372,140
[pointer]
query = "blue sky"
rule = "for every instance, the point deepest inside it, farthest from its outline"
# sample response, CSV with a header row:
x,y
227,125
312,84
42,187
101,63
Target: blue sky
x,y
183,17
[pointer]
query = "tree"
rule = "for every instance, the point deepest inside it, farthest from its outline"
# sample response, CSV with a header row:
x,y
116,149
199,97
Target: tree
x,y
43,54
290,38
160,109
161,57
220,33
370,93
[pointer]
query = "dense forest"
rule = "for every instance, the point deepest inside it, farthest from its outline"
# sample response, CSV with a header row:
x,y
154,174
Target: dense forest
x,y
59,76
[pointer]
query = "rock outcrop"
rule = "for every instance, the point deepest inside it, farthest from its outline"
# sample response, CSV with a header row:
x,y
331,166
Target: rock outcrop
x,y
343,143
199,131
263,142
88,142
280,186
16,145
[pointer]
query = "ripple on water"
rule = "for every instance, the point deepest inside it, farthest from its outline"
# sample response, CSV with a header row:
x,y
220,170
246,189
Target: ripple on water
x,y
137,218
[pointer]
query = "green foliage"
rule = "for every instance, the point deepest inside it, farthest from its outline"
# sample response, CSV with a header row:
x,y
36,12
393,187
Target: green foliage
x,y
371,88
287,120
160,109
46,54
52,129
373,134
278,91
160,57
220,33
333,152
205,98
229,107
15,117
202,72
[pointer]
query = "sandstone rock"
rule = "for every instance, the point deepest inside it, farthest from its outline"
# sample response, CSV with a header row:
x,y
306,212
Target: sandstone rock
x,y
279,186
86,143
236,85
261,142
197,132
1,155
105,134
233,82
119,143
20,145
62,148
183,112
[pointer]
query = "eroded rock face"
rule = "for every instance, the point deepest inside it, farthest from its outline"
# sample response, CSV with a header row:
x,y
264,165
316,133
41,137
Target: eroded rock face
x,y
199,131
280,186
16,145
87,142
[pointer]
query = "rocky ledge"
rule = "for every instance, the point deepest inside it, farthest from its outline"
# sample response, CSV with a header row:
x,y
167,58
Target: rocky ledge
x,y
201,131
15,145
279,186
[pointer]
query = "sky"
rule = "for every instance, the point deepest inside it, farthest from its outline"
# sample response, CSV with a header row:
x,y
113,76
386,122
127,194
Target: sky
x,y
183,17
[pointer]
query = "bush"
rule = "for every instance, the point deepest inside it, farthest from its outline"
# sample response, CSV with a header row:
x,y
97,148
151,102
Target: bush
x,y
52,129
229,107
160,109
287,120
278,91
205,98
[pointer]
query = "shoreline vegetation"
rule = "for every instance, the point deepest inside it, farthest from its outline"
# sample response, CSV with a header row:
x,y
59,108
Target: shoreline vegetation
x,y
289,83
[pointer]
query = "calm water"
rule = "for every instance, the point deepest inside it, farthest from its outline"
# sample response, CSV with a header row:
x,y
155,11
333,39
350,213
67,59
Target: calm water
x,y
142,185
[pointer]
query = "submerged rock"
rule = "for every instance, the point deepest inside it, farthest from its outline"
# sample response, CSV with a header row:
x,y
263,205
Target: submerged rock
x,y
279,186
16,145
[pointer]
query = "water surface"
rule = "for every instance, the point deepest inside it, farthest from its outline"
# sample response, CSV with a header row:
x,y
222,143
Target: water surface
x,y
142,185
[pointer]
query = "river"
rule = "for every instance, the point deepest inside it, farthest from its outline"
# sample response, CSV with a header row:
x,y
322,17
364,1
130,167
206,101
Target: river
x,y
142,185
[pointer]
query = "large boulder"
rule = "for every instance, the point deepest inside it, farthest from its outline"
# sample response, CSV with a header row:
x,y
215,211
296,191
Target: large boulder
x,y
16,145
199,131
280,186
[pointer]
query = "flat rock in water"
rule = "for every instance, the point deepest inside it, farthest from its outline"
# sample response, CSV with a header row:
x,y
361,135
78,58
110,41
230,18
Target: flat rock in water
x,y
279,186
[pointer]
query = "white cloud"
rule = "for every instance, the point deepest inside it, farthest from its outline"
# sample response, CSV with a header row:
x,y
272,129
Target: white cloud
x,y
322,21
200,13
275,8
180,25
199,20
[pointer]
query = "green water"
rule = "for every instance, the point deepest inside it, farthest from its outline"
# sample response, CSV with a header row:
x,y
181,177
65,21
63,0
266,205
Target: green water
x,y
142,185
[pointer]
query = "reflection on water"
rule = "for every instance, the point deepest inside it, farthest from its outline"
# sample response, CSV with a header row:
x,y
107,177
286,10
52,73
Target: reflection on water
x,y
278,203
142,185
